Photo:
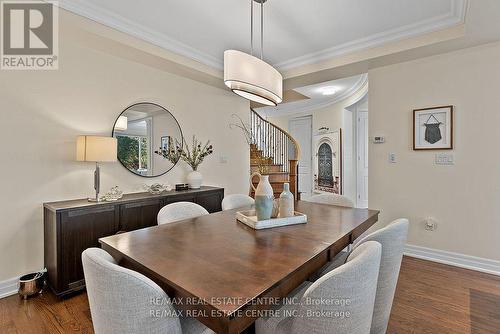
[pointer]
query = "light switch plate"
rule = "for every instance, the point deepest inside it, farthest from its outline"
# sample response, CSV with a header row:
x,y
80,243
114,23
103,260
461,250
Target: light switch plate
x,y
392,158
445,159
223,159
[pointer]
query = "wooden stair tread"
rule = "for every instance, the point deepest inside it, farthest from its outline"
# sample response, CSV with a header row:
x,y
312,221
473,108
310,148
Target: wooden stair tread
x,y
256,165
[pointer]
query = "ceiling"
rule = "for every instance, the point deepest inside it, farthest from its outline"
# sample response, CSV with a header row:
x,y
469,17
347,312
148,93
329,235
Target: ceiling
x,y
303,33
335,90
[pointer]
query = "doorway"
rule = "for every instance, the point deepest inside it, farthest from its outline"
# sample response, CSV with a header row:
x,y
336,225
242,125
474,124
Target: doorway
x,y
301,129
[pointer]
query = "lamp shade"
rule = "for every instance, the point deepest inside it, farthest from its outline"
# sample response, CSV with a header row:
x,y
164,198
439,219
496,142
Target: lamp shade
x,y
252,78
96,149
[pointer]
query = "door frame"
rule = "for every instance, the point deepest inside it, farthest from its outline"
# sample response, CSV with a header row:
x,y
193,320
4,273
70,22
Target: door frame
x,y
356,142
311,177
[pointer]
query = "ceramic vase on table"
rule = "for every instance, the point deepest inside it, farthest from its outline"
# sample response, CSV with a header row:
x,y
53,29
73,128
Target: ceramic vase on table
x,y
194,180
286,202
264,196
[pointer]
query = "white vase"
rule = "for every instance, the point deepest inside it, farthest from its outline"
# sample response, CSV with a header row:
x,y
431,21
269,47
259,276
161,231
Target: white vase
x,y
286,202
194,180
264,196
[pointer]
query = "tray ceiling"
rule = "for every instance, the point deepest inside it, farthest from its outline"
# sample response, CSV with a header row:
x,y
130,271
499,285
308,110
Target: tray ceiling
x,y
296,32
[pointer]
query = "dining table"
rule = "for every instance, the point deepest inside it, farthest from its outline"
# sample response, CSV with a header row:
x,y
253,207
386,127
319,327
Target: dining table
x,y
226,272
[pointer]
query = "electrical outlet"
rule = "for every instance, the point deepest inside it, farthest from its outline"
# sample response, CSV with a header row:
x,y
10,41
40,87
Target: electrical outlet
x,y
430,224
444,159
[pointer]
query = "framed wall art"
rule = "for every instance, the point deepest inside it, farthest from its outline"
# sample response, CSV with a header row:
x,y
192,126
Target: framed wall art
x,y
433,128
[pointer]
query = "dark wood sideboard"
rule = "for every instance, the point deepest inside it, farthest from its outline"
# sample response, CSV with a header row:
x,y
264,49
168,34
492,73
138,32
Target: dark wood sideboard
x,y
72,226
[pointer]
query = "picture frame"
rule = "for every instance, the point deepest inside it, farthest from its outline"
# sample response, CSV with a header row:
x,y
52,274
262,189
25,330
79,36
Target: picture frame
x,y
165,143
433,128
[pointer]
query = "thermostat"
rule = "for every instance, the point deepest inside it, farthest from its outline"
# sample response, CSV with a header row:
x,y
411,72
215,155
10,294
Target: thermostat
x,y
378,140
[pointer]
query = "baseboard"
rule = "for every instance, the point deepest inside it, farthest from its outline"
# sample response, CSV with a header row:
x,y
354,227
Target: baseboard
x,y
454,259
9,287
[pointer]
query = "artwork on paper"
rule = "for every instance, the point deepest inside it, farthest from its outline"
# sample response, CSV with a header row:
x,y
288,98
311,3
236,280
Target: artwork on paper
x,y
165,143
433,128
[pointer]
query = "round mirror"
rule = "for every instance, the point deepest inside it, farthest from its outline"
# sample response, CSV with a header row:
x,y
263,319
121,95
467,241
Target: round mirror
x,y
148,138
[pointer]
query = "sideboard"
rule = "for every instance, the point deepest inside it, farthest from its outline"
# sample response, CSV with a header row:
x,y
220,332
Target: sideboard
x,y
72,226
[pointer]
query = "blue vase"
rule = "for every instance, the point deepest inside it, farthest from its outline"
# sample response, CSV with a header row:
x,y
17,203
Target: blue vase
x,y
264,196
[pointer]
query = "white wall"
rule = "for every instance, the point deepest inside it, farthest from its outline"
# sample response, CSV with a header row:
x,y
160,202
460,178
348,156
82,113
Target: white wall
x,y
464,198
42,112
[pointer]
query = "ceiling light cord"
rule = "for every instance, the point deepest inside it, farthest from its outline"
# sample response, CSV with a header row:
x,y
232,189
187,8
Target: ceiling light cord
x,y
251,27
262,30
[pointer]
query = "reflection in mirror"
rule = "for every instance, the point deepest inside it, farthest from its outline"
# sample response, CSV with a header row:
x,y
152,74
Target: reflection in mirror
x,y
142,129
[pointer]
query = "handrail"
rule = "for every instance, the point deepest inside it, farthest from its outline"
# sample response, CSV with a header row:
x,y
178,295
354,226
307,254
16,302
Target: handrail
x,y
296,146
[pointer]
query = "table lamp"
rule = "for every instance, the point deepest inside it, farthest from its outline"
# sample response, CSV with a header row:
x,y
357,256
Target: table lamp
x,y
96,149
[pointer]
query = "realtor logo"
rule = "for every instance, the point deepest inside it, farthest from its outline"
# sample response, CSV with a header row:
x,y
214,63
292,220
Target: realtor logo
x,y
29,35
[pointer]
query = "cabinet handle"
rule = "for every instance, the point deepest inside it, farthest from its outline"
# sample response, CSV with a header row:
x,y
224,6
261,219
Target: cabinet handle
x,y
140,204
81,212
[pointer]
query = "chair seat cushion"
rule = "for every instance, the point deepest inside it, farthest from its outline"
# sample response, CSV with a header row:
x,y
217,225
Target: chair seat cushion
x,y
280,320
193,326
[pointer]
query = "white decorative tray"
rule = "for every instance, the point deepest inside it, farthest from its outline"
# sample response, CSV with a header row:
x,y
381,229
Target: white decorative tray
x,y
249,218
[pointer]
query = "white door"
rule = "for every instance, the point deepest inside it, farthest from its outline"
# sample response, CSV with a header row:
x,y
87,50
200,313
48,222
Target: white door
x,y
362,150
301,130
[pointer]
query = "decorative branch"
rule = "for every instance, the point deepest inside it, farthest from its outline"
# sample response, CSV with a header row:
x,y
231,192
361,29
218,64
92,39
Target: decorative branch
x,y
193,155
251,140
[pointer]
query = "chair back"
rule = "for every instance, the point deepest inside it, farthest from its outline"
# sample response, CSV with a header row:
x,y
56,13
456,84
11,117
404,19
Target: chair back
x,y
393,240
124,301
342,301
332,199
236,201
179,211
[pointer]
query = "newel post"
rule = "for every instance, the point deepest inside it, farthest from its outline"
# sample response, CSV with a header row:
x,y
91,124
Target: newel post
x,y
294,179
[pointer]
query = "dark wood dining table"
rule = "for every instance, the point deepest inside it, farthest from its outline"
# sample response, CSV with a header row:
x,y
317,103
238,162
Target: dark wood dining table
x,y
226,272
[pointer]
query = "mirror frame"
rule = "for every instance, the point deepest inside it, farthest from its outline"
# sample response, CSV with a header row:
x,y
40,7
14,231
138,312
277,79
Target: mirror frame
x,y
175,119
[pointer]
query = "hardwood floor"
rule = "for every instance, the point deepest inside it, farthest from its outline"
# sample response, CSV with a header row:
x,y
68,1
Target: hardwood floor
x,y
435,298
430,298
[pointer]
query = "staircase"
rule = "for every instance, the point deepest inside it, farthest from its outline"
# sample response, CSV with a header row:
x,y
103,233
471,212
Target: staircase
x,y
275,153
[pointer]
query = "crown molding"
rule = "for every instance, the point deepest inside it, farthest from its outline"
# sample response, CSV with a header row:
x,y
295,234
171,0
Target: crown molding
x,y
134,29
457,15
294,109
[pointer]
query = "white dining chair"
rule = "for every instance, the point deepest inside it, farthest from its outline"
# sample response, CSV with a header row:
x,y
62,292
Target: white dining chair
x,y
393,240
237,201
179,211
331,199
340,302
123,301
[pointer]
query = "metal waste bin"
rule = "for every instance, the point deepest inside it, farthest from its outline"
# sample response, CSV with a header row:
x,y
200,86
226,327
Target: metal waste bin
x,y
31,284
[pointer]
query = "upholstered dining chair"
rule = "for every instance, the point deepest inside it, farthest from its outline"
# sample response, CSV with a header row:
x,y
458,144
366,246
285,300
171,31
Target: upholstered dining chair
x,y
393,240
332,199
340,302
124,301
236,201
179,211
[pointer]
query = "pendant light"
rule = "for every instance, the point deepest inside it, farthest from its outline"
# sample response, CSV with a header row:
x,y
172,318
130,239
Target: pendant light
x,y
251,77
